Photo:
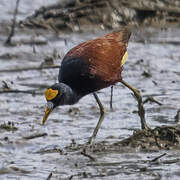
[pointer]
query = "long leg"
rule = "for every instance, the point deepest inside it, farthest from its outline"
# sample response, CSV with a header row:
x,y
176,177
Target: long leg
x,y
111,98
102,111
141,110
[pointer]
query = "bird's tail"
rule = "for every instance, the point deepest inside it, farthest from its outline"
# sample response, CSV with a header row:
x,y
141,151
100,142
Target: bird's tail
x,y
125,34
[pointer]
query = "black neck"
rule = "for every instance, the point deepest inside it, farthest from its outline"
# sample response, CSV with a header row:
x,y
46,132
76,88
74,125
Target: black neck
x,y
69,96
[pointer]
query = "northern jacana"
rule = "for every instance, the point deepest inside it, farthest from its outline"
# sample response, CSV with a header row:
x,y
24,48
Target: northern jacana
x,y
89,67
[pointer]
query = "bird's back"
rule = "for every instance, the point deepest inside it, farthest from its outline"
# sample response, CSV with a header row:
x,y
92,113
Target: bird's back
x,y
101,59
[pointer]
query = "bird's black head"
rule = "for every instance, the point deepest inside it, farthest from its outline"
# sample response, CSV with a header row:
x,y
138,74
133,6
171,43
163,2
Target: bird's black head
x,y
53,97
59,94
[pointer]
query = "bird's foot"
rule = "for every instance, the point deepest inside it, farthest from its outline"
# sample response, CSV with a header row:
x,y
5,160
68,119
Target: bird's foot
x,y
145,127
91,140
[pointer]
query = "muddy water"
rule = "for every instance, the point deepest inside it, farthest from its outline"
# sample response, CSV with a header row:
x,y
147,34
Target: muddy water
x,y
153,67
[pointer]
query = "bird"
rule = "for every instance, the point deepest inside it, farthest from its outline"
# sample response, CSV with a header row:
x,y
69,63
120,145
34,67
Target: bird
x,y
89,67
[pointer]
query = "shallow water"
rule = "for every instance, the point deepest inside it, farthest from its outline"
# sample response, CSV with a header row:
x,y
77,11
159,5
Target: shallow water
x,y
22,158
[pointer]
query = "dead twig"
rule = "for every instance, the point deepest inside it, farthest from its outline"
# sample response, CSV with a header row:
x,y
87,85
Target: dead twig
x,y
35,136
71,177
158,157
8,41
87,155
19,91
151,99
31,68
111,98
50,175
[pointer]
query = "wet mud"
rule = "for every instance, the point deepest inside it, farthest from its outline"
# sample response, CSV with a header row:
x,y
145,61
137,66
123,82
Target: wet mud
x,y
59,150
159,138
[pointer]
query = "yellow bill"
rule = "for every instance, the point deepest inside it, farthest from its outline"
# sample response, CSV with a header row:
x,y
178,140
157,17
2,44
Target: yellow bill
x,y
46,114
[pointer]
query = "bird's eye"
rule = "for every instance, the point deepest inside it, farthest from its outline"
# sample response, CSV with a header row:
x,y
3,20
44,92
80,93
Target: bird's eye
x,y
50,105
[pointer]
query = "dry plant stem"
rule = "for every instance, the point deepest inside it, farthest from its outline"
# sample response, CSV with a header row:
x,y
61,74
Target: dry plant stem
x,y
71,177
111,98
141,110
18,91
8,41
151,99
36,136
31,68
156,158
102,112
87,155
49,176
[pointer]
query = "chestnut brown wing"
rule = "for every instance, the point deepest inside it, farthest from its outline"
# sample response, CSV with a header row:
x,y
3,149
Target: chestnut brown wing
x,y
104,55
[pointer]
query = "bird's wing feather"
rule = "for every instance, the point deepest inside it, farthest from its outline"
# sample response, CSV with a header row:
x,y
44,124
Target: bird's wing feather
x,y
104,55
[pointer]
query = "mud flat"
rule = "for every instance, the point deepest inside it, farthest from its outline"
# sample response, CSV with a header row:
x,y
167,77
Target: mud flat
x,y
59,150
